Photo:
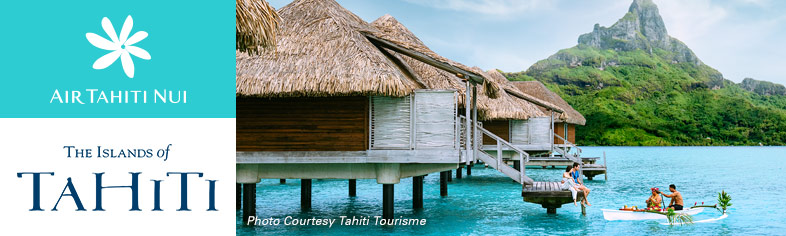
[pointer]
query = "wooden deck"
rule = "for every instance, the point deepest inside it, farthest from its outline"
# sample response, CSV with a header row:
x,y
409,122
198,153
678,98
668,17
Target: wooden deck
x,y
557,161
549,196
591,170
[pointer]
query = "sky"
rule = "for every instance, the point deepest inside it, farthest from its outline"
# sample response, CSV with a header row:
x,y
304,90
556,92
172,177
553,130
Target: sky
x,y
740,38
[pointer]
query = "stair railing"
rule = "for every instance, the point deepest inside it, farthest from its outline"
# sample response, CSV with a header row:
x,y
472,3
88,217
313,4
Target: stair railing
x,y
523,156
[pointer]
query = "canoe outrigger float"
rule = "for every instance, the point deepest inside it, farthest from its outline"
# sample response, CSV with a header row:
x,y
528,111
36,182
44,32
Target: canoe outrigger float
x,y
610,214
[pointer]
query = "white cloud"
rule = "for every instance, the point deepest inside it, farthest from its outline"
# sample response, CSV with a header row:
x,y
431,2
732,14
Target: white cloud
x,y
760,3
688,20
503,8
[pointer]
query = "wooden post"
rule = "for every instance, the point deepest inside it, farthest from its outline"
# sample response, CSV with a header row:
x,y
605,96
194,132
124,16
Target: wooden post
x,y
450,175
469,169
583,210
249,201
352,187
467,107
551,133
443,183
239,196
605,175
417,192
305,194
458,173
282,181
387,201
499,155
475,141
516,165
522,167
551,210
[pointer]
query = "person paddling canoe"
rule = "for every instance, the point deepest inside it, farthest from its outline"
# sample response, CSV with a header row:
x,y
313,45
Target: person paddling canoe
x,y
676,198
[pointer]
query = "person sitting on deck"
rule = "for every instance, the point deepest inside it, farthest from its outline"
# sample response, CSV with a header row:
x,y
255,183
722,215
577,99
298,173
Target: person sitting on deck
x,y
569,184
580,182
676,198
654,200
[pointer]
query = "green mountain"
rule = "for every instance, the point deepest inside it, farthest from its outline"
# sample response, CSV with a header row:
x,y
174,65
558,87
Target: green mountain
x,y
636,85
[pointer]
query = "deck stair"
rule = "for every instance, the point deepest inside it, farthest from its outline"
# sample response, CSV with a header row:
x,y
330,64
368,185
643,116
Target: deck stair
x,y
497,161
573,153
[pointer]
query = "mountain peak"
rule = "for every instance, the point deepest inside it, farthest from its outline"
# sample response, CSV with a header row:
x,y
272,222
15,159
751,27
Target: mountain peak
x,y
641,28
650,23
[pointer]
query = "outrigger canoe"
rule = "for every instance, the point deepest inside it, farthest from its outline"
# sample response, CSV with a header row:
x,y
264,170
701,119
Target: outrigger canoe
x,y
609,214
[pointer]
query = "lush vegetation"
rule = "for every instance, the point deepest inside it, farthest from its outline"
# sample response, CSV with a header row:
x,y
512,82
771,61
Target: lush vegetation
x,y
640,97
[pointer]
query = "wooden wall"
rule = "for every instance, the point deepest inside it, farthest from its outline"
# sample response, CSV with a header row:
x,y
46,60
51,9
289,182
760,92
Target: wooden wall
x,y
499,127
559,129
302,124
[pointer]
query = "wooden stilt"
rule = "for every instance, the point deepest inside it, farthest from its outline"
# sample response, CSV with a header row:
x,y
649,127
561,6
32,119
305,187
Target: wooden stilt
x,y
517,165
238,196
469,170
450,175
443,183
551,210
249,201
282,181
417,192
458,173
305,194
387,201
352,187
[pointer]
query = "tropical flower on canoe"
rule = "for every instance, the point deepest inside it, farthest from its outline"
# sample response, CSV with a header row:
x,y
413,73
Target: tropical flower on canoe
x,y
121,46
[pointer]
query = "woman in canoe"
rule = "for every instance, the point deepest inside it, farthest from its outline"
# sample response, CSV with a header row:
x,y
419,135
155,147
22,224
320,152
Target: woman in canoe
x,y
654,200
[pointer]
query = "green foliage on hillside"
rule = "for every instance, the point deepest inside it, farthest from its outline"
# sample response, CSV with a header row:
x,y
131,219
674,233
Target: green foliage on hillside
x,y
640,98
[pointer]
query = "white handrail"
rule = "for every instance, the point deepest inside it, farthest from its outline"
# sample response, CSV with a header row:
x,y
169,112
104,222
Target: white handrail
x,y
523,156
506,143
566,142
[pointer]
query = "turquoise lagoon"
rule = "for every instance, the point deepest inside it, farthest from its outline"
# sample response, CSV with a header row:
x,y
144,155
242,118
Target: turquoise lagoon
x,y
488,203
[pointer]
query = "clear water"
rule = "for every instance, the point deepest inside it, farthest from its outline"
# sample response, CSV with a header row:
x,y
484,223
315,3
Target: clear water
x,y
489,203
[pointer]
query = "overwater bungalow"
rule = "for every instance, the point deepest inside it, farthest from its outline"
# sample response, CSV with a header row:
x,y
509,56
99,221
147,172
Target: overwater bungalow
x,y
333,100
511,105
565,124
530,133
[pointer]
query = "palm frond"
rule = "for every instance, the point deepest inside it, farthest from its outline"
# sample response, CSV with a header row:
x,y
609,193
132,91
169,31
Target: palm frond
x,y
724,201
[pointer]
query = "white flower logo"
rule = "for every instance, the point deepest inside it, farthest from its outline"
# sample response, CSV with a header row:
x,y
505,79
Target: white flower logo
x,y
120,47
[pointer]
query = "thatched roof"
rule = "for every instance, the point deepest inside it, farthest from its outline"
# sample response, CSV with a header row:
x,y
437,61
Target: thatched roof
x,y
321,51
256,23
505,84
506,106
503,107
390,29
537,89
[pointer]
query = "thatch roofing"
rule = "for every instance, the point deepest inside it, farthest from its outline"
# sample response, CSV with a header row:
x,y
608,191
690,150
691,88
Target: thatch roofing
x,y
504,106
537,89
321,51
505,84
390,29
256,23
